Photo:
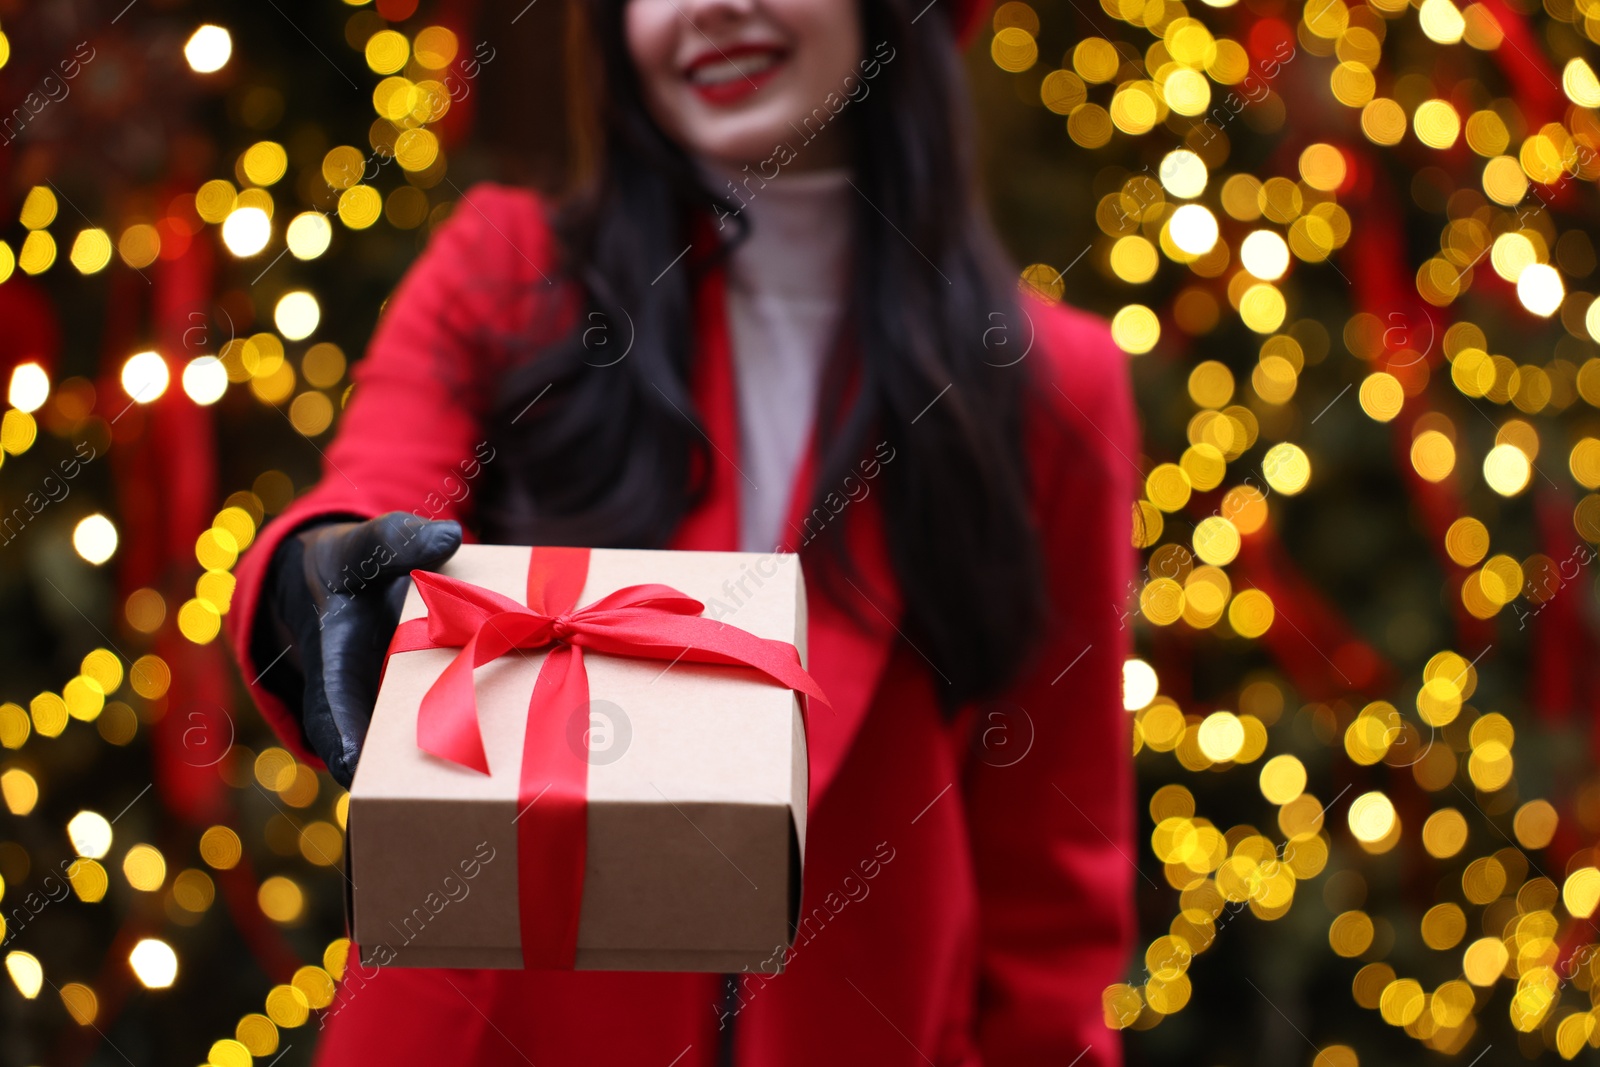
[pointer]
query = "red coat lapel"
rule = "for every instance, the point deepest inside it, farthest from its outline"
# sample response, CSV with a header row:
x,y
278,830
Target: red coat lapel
x,y
846,658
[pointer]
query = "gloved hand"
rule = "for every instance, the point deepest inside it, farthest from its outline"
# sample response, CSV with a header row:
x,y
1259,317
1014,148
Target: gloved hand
x,y
336,590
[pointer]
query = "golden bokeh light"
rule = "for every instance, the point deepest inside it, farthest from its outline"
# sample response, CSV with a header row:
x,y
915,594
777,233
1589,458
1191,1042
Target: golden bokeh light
x,y
1381,397
1134,259
1183,174
205,380
1135,329
220,848
214,200
1436,123
1484,961
1441,20
264,162
208,49
145,868
1371,817
38,252
1287,468
1506,469
139,245
39,208
1350,933
26,973
88,879
1443,926
95,538
1283,778
246,231
91,251
1540,289
1444,834
81,1003
1581,892
435,47
1221,736
287,1006
193,890
387,51
297,314
1252,613
308,235
29,387
154,963
1265,255
281,899
360,206
18,788
1139,684
1193,229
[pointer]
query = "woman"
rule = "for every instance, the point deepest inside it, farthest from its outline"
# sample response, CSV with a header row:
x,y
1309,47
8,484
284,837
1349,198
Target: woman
x,y
772,317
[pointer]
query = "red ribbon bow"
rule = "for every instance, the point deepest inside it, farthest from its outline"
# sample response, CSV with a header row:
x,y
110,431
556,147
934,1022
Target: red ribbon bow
x,y
654,621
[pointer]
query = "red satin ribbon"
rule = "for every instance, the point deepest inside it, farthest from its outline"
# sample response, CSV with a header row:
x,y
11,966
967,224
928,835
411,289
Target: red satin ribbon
x,y
653,621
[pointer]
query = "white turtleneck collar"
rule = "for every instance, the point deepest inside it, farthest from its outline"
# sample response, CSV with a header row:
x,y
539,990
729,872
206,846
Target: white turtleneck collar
x,y
799,222
786,288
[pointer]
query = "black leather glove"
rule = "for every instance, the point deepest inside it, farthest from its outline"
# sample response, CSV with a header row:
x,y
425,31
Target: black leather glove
x,y
335,593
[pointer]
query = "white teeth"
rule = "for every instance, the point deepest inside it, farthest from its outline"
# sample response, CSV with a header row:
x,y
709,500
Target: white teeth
x,y
725,70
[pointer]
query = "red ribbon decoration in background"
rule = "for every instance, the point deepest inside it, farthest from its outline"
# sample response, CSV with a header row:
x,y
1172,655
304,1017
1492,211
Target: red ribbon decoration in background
x,y
653,621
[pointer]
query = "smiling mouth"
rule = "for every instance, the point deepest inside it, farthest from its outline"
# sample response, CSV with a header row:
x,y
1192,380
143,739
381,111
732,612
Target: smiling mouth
x,y
729,76
727,68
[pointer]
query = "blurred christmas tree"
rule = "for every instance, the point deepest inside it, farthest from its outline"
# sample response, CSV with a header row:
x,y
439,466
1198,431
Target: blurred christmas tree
x,y
1368,591
210,210
1364,712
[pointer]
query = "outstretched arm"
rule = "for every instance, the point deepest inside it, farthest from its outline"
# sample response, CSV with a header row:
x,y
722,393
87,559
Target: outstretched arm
x,y
411,437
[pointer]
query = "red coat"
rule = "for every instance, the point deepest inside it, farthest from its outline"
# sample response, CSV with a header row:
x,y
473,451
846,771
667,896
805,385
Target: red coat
x,y
968,886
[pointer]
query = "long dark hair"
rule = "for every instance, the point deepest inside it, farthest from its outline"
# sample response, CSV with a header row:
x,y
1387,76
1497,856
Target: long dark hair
x,y
611,453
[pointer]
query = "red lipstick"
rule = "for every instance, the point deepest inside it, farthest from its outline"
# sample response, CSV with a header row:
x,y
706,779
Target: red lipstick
x,y
727,76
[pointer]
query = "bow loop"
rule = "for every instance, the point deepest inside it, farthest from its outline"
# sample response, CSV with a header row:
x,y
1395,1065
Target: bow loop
x,y
458,610
651,596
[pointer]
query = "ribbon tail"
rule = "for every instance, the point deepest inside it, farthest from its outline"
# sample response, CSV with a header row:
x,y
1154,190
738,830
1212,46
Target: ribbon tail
x,y
552,814
447,720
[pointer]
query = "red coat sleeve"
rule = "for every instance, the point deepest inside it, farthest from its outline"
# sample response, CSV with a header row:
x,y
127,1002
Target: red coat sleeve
x,y
1053,829
411,436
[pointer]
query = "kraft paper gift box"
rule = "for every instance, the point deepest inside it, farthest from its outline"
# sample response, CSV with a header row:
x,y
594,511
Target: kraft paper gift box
x,y
692,780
